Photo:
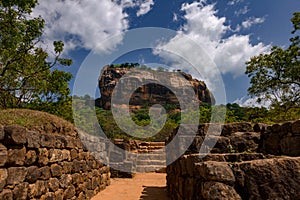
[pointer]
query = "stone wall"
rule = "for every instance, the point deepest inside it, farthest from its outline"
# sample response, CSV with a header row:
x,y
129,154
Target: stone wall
x,y
47,165
244,164
281,139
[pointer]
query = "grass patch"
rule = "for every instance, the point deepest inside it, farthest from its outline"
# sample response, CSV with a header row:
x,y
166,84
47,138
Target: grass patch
x,y
35,120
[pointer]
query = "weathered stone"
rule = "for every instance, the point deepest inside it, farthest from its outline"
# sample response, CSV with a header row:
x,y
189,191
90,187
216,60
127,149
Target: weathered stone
x,y
245,141
59,194
47,140
6,195
69,192
60,142
48,196
73,154
38,189
216,190
3,178
15,134
95,182
2,134
82,196
16,175
33,174
30,157
271,144
77,178
45,173
66,167
43,156
290,146
16,157
222,144
228,129
55,155
159,94
20,191
215,171
66,155
259,127
276,178
296,127
33,139
56,170
3,155
89,194
82,187
65,180
53,184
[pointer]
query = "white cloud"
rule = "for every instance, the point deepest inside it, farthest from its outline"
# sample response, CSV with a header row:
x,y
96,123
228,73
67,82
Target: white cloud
x,y
242,11
82,23
234,2
208,30
175,17
253,21
145,7
252,102
87,23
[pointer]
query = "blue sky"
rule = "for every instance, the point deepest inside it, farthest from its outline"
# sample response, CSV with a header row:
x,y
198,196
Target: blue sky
x,y
229,31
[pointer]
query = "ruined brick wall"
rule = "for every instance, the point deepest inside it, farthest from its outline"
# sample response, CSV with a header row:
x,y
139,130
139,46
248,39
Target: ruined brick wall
x,y
247,162
47,165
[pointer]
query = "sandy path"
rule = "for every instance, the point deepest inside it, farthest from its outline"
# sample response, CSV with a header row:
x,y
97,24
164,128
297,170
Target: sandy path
x,y
147,186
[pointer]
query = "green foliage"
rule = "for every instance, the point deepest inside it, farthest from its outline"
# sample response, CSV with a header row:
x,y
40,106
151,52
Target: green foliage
x,y
124,65
26,75
275,76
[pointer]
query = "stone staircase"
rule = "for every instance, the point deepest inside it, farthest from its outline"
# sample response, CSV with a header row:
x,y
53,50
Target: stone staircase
x,y
139,157
151,162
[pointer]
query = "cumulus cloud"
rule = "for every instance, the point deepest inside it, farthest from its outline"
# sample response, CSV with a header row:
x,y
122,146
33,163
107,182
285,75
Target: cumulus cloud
x,y
145,7
253,21
234,2
87,23
81,23
209,31
252,102
242,11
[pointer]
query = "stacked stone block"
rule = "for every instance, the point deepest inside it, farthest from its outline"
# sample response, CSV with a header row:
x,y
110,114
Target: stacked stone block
x,y
49,165
246,163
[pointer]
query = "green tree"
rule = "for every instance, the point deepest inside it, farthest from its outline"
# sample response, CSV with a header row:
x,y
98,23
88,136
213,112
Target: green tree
x,y
26,74
275,76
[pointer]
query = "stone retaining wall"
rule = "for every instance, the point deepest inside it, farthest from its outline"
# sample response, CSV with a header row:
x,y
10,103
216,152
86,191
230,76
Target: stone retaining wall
x,y
49,165
245,163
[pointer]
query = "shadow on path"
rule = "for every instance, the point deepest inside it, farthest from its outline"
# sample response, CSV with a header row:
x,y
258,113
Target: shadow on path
x,y
154,193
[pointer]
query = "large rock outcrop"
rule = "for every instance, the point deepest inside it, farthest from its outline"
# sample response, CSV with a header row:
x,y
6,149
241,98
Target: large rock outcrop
x,y
152,93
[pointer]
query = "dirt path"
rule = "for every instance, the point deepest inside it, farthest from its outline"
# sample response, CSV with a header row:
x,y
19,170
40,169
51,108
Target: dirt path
x,y
148,186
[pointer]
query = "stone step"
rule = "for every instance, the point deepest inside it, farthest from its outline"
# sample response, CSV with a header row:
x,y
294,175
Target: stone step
x,y
150,150
150,168
151,162
151,156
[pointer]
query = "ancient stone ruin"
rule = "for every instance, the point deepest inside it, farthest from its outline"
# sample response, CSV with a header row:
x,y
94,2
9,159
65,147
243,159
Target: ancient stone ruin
x,y
51,164
247,162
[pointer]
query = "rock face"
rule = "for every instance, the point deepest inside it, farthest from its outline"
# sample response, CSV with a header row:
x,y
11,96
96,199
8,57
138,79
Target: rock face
x,y
247,162
155,91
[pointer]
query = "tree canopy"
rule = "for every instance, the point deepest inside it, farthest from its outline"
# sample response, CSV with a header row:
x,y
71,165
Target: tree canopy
x,y
26,73
275,76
